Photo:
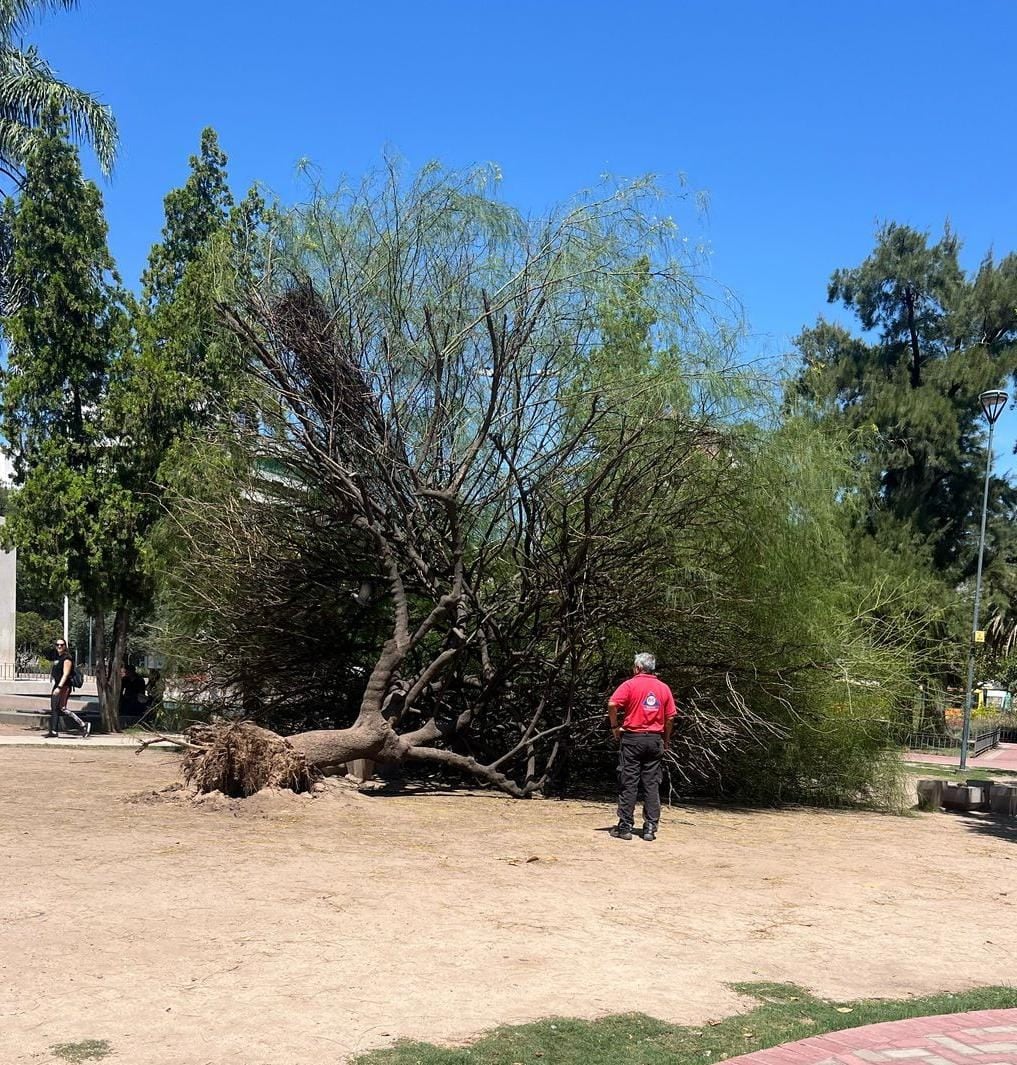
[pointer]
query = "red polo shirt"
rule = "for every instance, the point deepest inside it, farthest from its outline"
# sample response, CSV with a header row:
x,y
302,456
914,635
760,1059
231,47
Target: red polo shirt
x,y
646,703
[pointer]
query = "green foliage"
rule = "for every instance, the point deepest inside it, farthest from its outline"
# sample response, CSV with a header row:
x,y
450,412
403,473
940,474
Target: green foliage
x,y
195,213
636,492
819,651
78,513
790,658
906,396
910,396
187,370
186,375
36,634
785,1014
99,387
73,516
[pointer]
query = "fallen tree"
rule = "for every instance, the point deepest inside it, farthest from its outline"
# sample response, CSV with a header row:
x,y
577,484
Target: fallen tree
x,y
493,459
469,413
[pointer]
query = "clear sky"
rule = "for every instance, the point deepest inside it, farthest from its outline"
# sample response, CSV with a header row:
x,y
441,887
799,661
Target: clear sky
x,y
806,122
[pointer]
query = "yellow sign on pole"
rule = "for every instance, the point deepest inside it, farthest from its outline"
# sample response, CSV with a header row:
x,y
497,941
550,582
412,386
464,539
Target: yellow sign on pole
x,y
979,635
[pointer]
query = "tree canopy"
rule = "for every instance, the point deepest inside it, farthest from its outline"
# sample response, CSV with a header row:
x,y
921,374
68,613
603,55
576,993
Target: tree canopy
x,y
493,458
99,386
76,510
904,391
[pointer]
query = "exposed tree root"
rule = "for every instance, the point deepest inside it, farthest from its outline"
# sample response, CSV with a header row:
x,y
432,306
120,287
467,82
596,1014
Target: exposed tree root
x,y
240,758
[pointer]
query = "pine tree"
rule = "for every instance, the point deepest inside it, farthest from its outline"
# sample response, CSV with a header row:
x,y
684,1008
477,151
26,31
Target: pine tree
x,y
908,389
187,372
75,512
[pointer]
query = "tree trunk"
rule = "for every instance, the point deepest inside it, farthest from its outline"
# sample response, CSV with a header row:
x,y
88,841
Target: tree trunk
x,y
107,670
329,748
229,756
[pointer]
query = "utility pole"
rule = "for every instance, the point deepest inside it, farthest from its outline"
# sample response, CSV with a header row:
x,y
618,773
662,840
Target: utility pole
x,y
993,403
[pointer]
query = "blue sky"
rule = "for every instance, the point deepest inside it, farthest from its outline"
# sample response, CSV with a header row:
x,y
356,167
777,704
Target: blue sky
x,y
806,123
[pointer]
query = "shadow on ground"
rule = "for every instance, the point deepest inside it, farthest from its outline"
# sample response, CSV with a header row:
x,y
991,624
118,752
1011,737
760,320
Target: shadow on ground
x,y
991,825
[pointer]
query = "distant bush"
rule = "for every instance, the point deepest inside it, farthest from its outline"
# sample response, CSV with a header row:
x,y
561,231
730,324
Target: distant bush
x,y
35,635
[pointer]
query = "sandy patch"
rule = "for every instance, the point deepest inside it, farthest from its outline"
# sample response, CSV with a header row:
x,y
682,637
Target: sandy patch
x,y
297,930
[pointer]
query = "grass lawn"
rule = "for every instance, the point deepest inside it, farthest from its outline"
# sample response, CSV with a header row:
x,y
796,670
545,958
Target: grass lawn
x,y
931,769
785,1013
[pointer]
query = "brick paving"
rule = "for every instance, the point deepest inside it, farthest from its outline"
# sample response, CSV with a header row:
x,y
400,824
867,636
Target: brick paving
x,y
987,1037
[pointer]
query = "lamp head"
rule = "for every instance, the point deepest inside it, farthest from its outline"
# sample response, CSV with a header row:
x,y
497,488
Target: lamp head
x,y
993,403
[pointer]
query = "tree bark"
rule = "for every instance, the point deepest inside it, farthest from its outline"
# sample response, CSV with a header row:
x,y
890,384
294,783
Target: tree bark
x,y
325,749
107,670
329,748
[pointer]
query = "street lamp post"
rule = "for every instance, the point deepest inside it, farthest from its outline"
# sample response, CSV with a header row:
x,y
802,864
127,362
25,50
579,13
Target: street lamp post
x,y
993,403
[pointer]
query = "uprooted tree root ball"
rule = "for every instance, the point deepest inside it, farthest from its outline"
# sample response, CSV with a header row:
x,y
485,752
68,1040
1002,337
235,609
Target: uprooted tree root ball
x,y
239,759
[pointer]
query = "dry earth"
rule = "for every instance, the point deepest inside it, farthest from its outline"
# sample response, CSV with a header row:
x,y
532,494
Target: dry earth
x,y
299,931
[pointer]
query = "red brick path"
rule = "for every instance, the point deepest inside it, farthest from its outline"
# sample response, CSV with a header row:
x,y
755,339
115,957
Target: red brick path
x,y
1002,757
988,1037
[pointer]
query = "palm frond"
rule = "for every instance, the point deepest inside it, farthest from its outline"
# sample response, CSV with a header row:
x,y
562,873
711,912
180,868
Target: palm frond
x,y
1002,629
16,142
16,14
30,90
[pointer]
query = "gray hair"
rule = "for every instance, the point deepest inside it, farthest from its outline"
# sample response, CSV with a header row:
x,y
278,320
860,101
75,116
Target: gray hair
x,y
645,662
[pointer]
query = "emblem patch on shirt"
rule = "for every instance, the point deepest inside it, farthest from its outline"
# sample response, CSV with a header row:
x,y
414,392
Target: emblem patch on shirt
x,y
650,702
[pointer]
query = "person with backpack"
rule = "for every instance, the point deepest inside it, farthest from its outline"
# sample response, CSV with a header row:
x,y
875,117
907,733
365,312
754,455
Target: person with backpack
x,y
647,711
63,674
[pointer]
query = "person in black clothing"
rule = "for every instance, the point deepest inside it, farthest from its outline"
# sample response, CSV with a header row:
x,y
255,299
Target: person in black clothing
x,y
132,692
60,674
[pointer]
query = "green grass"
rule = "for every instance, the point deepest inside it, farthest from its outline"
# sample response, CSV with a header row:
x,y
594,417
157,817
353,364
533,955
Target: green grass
x,y
86,1050
785,1013
930,769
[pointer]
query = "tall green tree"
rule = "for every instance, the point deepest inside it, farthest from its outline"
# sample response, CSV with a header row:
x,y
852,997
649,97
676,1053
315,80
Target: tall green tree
x,y
76,512
187,368
195,213
30,89
906,390
183,374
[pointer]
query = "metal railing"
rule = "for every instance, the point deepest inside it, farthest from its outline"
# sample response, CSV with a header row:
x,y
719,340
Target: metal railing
x,y
1008,728
982,738
9,671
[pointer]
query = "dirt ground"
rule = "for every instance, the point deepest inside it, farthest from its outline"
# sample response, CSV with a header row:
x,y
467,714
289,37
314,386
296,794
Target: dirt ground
x,y
300,931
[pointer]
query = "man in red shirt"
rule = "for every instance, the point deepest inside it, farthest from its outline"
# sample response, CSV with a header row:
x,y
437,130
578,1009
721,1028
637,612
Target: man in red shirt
x,y
647,713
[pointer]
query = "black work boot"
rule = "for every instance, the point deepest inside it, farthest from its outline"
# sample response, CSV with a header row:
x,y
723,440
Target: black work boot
x,y
650,831
621,831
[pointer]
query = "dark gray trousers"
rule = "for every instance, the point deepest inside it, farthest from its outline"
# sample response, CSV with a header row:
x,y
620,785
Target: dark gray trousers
x,y
640,755
58,706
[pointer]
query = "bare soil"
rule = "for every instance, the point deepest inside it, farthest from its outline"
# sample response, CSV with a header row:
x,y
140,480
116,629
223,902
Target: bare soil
x,y
290,930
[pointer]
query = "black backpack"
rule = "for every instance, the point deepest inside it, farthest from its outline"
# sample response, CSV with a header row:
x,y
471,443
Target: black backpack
x,y
76,678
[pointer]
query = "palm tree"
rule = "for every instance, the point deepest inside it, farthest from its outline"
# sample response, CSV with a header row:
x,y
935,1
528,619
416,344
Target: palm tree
x,y
30,91
1002,629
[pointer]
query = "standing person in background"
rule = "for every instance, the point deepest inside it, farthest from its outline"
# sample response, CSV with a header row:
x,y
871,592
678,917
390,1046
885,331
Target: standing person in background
x,y
155,692
132,691
61,673
647,711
